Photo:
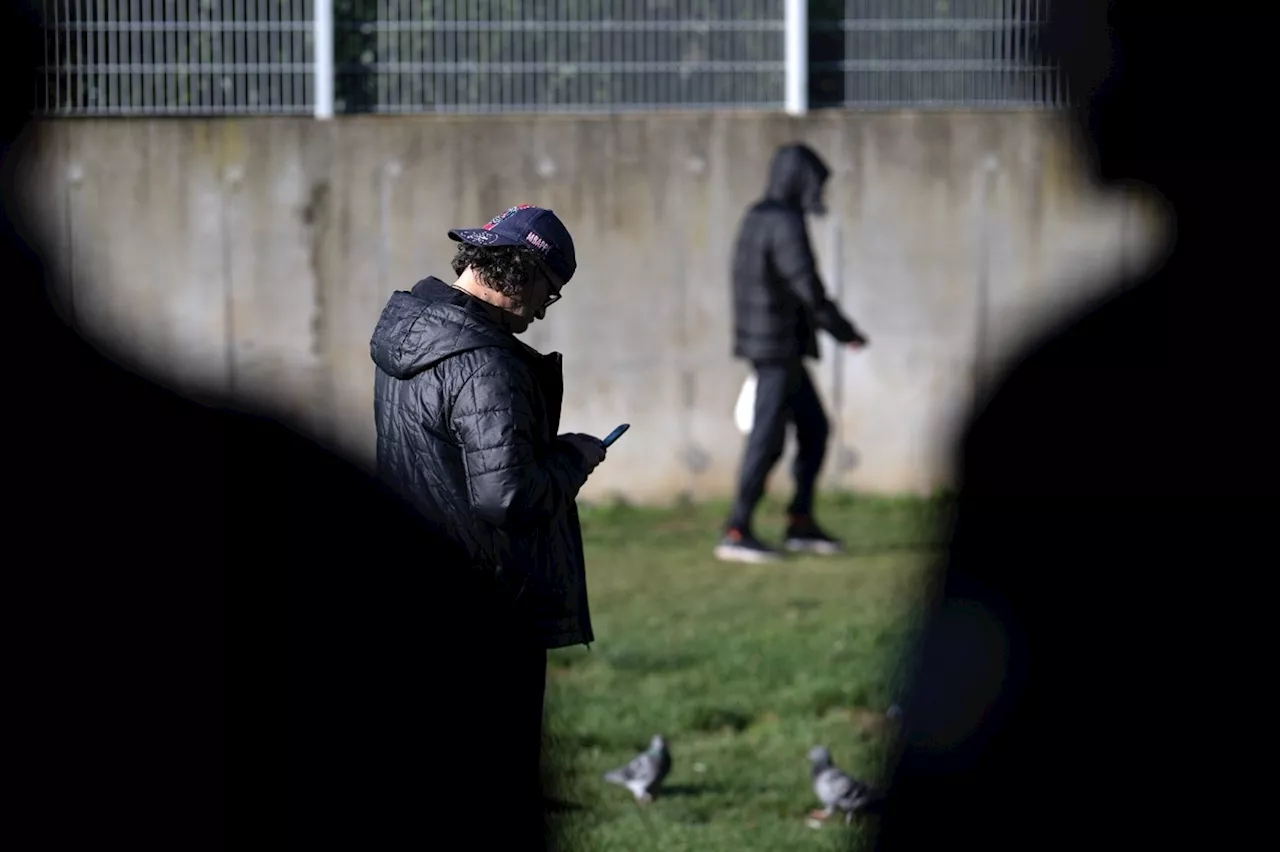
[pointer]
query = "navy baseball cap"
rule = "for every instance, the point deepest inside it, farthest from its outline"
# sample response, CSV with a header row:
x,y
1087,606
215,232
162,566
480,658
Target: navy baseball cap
x,y
534,228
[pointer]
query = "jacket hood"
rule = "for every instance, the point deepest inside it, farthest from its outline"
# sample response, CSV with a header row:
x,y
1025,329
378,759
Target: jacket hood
x,y
421,328
796,178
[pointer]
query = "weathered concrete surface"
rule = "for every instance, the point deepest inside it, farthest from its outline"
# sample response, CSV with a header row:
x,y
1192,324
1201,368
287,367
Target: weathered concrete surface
x,y
256,255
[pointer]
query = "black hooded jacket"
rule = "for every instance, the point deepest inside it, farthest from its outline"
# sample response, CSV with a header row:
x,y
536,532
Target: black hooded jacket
x,y
467,418
778,299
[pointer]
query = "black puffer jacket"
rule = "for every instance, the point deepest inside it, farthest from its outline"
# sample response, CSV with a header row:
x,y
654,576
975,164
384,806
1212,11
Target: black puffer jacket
x,y
778,299
467,418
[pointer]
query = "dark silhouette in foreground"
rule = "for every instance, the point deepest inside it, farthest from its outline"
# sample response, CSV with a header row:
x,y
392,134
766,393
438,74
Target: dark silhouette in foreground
x,y
1086,637
226,633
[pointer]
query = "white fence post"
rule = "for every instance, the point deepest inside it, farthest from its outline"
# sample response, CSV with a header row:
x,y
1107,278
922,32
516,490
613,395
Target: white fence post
x,y
797,42
323,29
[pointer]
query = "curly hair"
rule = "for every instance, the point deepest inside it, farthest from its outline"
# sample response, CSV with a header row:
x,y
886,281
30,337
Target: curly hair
x,y
509,270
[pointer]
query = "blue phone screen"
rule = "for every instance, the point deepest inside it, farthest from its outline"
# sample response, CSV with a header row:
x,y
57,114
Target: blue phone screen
x,y
615,434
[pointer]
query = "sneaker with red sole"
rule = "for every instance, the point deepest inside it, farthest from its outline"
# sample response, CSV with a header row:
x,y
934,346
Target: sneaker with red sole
x,y
741,546
804,536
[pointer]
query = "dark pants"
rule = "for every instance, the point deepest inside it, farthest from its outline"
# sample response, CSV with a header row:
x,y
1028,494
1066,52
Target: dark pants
x,y
784,393
500,761
417,707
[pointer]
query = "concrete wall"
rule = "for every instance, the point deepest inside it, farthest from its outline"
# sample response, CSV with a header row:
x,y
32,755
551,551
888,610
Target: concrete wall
x,y
256,255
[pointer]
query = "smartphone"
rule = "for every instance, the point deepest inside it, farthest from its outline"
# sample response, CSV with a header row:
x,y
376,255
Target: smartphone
x,y
615,434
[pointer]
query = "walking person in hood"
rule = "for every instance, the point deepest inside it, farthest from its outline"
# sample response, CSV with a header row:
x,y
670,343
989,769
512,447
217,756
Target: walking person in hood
x,y
779,304
467,422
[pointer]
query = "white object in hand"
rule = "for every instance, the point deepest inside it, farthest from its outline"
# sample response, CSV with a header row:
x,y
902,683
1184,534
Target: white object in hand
x,y
745,410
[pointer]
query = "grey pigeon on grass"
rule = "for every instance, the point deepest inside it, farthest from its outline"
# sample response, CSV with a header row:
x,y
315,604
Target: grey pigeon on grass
x,y
645,772
835,789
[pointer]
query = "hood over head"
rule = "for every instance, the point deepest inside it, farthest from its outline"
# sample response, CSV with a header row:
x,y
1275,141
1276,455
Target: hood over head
x,y
796,178
434,321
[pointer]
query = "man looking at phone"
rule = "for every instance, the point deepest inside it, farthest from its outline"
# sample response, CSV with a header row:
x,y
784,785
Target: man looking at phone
x,y
467,418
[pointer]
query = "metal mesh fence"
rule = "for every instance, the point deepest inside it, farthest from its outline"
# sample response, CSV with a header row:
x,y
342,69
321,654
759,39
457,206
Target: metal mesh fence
x,y
177,57
236,57
560,55
930,54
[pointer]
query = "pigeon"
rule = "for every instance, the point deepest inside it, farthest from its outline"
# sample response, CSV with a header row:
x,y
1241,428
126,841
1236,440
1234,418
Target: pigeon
x,y
645,772
834,788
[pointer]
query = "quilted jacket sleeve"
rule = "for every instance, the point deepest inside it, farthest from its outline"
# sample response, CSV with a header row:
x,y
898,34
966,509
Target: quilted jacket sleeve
x,y
493,419
793,258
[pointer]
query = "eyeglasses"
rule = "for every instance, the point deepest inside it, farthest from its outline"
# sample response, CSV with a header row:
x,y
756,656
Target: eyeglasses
x,y
553,295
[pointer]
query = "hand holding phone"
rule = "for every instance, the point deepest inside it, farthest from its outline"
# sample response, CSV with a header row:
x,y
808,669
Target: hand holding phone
x,y
589,447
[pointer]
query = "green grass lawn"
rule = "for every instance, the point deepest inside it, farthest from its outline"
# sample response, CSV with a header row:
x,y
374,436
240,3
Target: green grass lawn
x,y
742,668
